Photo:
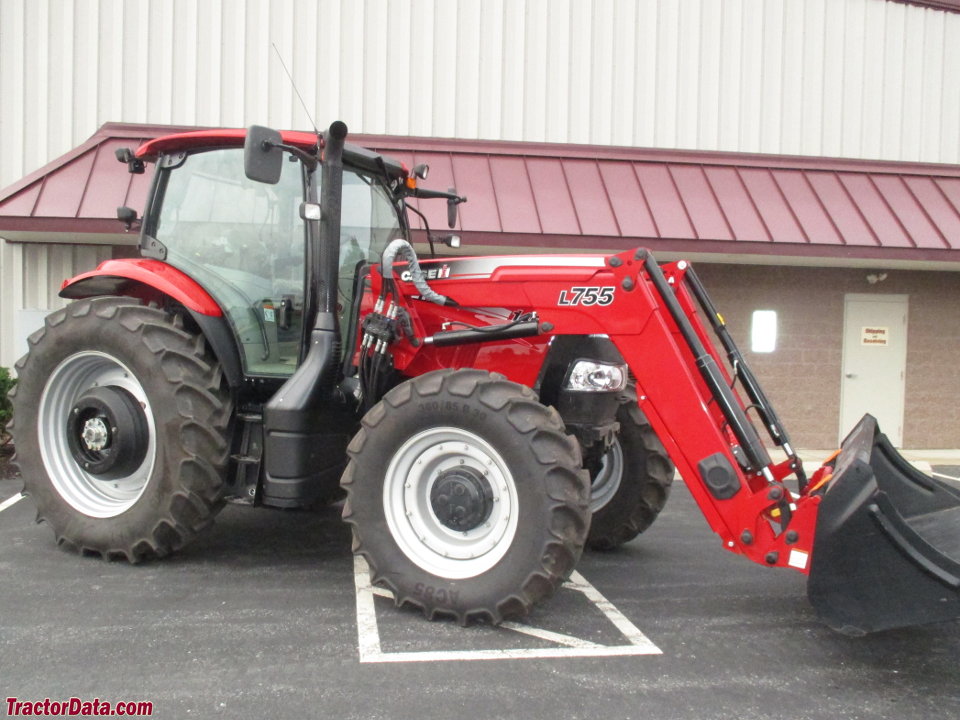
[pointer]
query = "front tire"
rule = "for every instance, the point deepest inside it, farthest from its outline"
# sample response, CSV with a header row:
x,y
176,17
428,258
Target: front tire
x,y
466,497
120,424
632,484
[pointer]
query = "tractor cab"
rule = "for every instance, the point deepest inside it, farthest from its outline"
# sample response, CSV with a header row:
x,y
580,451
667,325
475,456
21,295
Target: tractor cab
x,y
246,242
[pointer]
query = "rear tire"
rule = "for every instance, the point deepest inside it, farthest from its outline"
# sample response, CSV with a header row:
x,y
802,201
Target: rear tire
x,y
632,485
466,497
121,425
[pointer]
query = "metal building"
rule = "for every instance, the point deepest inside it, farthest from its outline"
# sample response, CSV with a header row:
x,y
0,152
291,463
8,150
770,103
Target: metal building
x,y
579,90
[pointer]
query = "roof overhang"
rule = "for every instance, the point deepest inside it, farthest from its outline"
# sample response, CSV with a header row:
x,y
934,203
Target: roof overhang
x,y
726,207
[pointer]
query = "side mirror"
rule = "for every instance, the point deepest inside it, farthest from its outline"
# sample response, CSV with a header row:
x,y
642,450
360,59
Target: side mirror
x,y
134,165
127,215
452,208
262,156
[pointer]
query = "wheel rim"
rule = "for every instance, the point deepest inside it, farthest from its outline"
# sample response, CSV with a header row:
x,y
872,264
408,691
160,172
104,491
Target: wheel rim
x,y
607,482
421,473
100,495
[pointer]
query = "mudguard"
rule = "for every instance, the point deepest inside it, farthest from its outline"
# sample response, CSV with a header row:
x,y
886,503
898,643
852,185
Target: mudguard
x,y
887,543
120,277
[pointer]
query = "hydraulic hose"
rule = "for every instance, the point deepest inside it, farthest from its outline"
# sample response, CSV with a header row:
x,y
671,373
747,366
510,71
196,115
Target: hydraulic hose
x,y
401,248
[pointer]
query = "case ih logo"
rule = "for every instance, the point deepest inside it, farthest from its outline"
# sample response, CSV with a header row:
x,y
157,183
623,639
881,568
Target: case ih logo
x,y
432,274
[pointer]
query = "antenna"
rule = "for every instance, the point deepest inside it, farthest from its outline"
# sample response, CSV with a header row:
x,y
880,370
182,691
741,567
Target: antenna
x,y
294,85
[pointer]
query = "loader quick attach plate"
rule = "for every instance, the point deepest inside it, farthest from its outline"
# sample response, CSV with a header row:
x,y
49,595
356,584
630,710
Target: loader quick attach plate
x,y
887,548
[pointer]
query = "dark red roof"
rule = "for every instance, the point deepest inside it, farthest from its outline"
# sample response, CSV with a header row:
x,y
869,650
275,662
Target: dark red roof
x,y
946,5
574,197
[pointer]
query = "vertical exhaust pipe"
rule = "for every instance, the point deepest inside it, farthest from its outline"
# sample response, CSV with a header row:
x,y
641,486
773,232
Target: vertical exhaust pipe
x,y
331,200
298,439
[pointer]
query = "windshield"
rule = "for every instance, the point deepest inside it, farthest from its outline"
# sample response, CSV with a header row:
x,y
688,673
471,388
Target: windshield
x,y
245,243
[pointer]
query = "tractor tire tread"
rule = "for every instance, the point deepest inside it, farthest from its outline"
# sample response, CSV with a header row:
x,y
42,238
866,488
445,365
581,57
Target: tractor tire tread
x,y
655,490
205,410
543,429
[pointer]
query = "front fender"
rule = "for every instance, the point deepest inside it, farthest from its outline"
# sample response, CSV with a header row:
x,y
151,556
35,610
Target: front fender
x,y
131,276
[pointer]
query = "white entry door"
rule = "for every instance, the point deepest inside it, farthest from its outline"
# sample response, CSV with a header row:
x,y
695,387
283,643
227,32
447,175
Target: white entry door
x,y
874,362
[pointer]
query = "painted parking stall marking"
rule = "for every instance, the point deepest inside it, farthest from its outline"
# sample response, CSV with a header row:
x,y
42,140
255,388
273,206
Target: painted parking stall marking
x,y
371,649
10,502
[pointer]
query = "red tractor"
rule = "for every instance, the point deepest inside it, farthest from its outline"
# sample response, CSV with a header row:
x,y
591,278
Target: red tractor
x,y
279,342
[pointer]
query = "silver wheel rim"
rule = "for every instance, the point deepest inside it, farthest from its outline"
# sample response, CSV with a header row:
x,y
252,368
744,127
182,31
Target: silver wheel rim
x,y
419,534
607,482
93,496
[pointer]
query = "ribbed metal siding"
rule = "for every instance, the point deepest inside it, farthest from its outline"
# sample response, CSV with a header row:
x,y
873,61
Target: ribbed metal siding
x,y
855,78
30,278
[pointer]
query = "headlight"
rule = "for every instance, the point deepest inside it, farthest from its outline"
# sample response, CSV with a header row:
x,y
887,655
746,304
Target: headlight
x,y
590,376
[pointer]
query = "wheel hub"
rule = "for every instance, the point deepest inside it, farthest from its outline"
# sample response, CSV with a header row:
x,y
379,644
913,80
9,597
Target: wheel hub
x,y
107,432
462,499
95,435
470,530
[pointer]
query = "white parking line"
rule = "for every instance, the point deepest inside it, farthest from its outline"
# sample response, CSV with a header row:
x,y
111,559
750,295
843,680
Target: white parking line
x,y
945,477
371,651
10,502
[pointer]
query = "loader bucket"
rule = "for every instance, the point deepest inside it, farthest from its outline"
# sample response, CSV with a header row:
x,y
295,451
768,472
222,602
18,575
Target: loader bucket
x,y
886,553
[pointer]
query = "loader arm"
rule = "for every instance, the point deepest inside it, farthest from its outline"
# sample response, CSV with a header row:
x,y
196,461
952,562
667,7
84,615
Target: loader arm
x,y
683,385
880,542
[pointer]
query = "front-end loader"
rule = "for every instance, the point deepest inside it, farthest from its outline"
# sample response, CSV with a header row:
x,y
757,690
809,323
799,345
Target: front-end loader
x,y
279,342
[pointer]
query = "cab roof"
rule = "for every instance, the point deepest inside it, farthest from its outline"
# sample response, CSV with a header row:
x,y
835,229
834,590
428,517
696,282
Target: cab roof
x,y
353,155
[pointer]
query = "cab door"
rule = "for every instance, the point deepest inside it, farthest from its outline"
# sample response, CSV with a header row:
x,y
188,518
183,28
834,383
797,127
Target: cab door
x,y
244,242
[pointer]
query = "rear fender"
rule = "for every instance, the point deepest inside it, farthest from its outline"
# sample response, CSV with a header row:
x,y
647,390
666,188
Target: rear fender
x,y
142,278
152,281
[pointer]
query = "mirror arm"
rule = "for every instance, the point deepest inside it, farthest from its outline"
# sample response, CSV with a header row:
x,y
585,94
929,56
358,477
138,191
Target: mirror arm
x,y
308,160
431,194
426,225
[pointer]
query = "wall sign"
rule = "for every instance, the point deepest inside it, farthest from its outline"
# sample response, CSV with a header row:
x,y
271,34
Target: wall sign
x,y
876,336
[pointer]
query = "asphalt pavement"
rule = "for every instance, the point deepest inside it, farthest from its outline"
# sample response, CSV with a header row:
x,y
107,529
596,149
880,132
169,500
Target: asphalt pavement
x,y
266,615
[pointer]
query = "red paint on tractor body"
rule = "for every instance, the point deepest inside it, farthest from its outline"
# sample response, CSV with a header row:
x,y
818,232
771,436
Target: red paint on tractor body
x,y
137,277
